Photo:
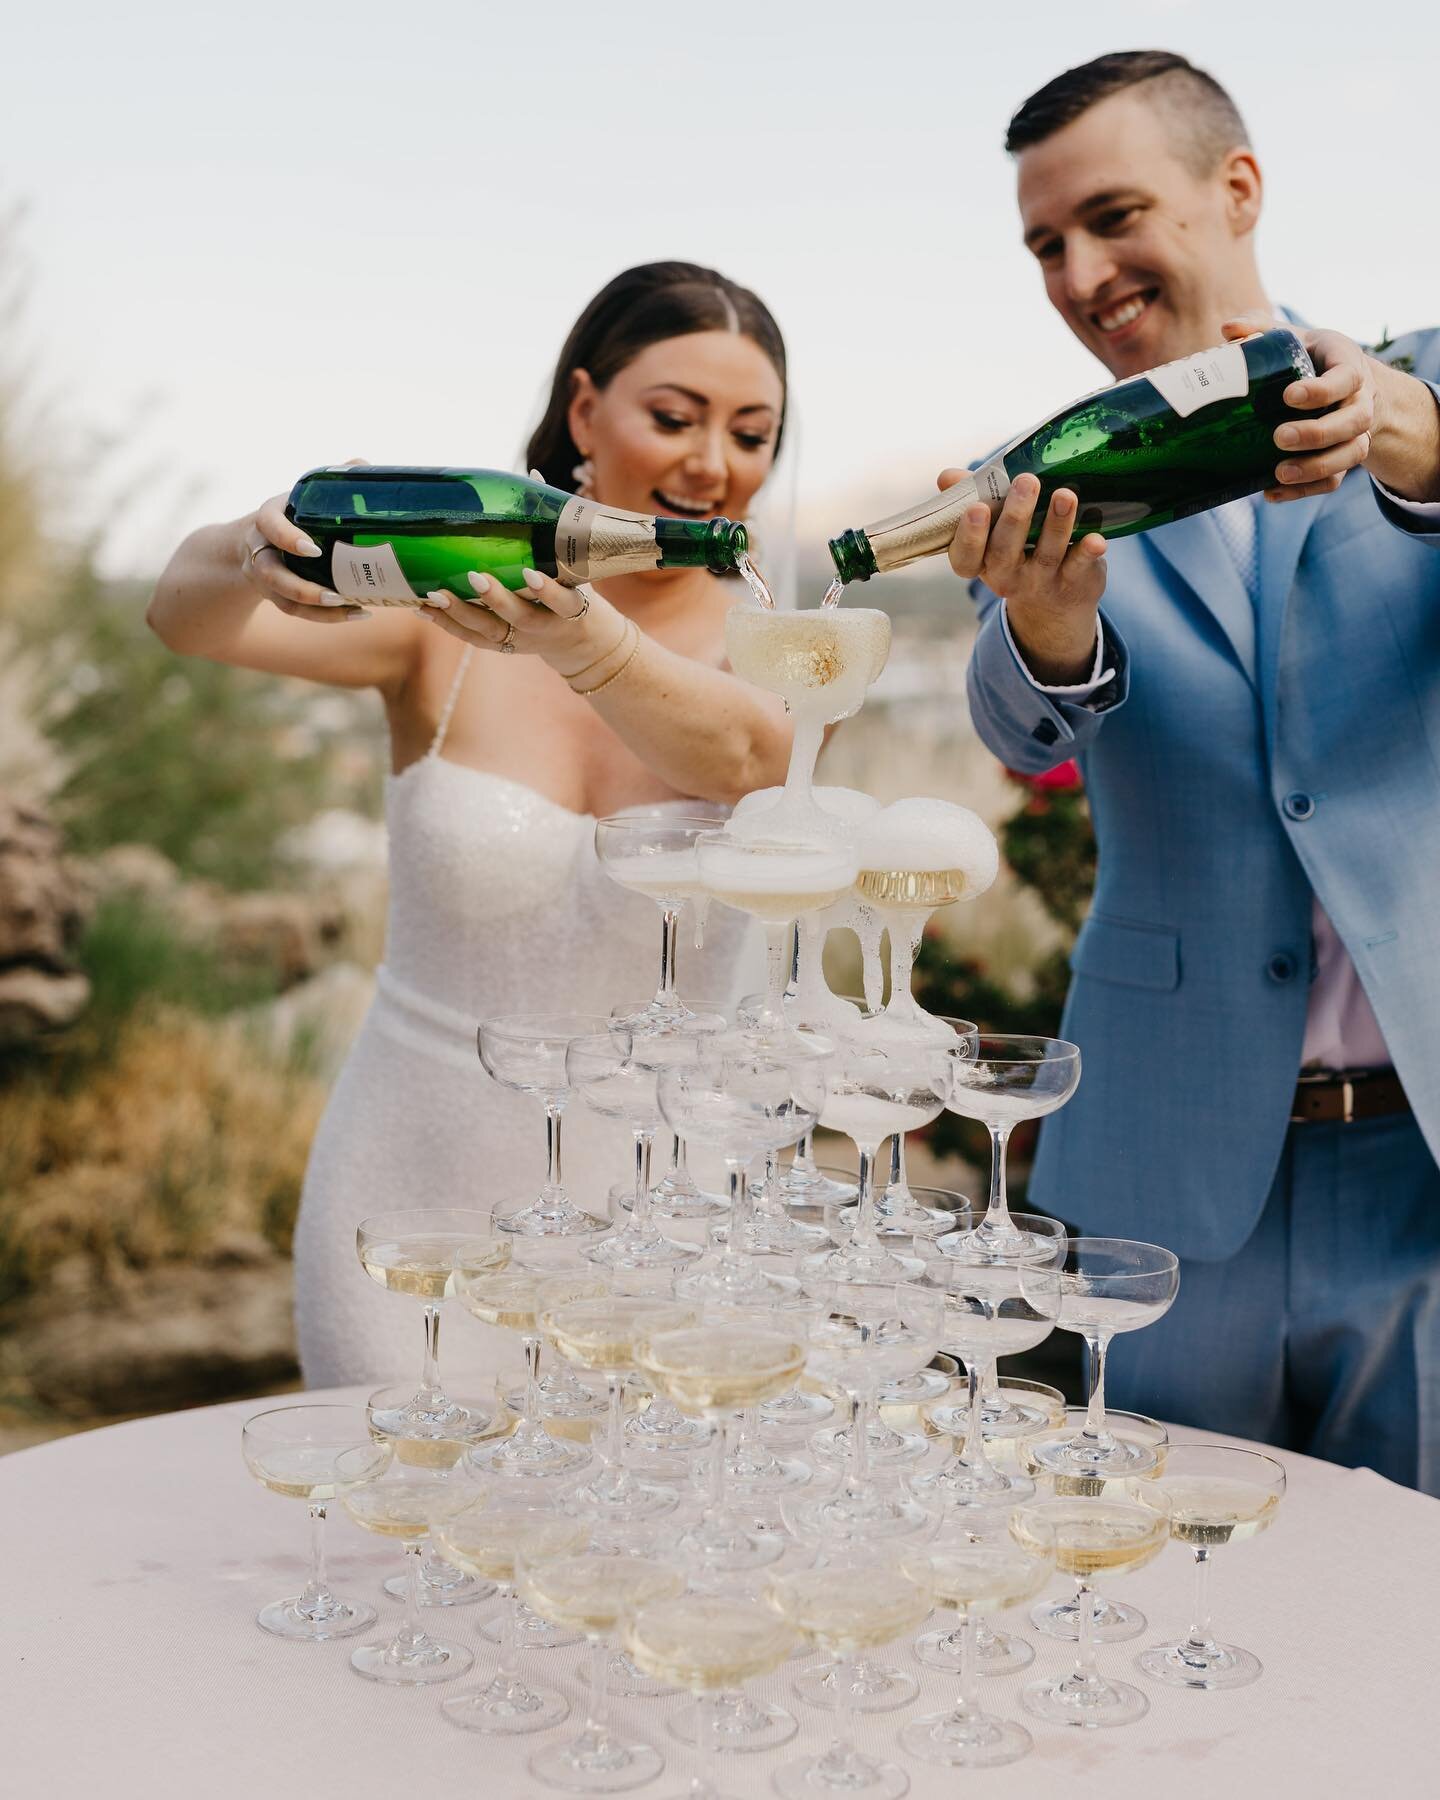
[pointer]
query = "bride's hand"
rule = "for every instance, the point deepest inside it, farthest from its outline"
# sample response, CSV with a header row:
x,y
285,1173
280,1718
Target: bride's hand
x,y
568,628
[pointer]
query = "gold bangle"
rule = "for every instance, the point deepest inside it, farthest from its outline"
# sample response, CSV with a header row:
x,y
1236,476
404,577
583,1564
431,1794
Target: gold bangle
x,y
604,657
634,652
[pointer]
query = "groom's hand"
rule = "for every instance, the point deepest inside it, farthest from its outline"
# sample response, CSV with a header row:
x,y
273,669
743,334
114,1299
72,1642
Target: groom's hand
x,y
1052,596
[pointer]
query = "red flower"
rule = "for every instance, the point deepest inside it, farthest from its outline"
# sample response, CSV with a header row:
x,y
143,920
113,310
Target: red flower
x,y
1064,778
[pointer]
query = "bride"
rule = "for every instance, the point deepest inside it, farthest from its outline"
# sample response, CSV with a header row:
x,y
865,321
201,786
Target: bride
x,y
515,721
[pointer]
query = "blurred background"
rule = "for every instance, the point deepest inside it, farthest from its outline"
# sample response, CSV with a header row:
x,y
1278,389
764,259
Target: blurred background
x,y
235,245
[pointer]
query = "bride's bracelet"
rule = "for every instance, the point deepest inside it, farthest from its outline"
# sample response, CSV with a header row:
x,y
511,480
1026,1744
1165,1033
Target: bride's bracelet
x,y
630,633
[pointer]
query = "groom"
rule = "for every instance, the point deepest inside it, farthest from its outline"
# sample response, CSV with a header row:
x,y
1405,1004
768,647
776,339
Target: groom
x,y
1257,713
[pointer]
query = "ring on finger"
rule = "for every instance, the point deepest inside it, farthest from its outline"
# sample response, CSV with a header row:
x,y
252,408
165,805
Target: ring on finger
x,y
255,550
583,607
506,645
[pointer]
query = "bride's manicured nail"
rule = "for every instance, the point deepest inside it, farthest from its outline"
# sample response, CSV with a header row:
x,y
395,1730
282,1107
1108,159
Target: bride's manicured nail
x,y
307,546
480,583
535,475
353,618
437,597
533,580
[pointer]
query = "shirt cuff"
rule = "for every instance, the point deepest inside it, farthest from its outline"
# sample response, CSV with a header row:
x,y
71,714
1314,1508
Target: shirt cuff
x,y
1099,674
1423,512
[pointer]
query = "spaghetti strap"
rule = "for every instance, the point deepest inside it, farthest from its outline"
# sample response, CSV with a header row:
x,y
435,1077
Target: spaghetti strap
x,y
448,709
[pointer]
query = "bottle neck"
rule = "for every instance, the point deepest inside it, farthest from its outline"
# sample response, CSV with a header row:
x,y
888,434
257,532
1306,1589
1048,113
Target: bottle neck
x,y
853,557
713,544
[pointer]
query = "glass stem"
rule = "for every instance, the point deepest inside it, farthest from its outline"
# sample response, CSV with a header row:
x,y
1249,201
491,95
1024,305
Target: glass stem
x,y
665,993
316,1597
554,1187
803,1162
777,970
843,1749
598,1721
615,1424
1095,1430
715,1487
430,1379
506,1672
411,1633
972,1451
1085,1645
707,1744
531,1346
969,1668
859,1438
997,1212
739,1212
1199,1639
864,1235
640,1211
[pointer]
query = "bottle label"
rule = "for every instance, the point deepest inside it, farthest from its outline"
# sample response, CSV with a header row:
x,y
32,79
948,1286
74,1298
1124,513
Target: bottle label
x,y
927,528
1196,381
370,573
593,541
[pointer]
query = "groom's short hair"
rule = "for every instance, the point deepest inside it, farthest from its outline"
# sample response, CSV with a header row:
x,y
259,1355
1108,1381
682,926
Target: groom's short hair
x,y
1202,119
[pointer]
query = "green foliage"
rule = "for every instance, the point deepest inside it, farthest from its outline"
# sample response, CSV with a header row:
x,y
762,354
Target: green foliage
x,y
1049,844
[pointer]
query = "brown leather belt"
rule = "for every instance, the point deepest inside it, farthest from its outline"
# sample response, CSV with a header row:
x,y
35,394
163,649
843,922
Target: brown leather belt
x,y
1341,1099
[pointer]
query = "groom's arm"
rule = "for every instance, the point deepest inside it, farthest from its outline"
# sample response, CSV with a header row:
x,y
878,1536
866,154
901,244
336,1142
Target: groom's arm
x,y
1046,667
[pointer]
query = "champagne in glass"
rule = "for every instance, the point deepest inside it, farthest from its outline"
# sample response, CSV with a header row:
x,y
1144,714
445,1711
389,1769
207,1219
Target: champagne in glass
x,y
1213,1495
655,856
293,1451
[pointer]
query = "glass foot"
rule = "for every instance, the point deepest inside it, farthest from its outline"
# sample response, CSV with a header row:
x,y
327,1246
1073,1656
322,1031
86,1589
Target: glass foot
x,y
794,1414
770,1236
428,1660
957,1485
996,1652
1209,1665
617,1494
446,1586
506,1708
597,1762
725,1547
849,1517
1108,1455
871,1686
777,1475
633,1249
1115,1620
541,1218
742,1725
737,1283
840,1772
678,1436
531,1632
819,1188
886,1449
850,1264
625,1681
1002,1242
965,1740
529,1455
437,1428
1089,1703
336,1619
914,1390
679,1198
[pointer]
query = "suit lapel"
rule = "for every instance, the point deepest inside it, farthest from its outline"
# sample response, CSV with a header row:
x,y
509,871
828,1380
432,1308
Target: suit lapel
x,y
1195,551
1282,530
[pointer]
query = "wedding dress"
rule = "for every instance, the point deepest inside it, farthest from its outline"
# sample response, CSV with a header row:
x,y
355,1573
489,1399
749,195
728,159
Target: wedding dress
x,y
498,904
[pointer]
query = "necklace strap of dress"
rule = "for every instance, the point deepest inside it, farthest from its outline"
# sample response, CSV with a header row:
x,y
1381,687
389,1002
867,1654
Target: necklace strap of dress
x,y
448,709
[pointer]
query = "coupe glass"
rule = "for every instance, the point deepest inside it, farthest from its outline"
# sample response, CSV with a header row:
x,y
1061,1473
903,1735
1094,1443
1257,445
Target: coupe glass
x,y
776,882
293,1450
709,1644
676,1195
868,1334
512,1299
772,1230
1006,1080
710,1371
592,1594
603,1335
992,1308
441,1584
742,1102
526,1052
402,1503
486,1537
1089,1536
619,1084
1112,1621
848,1606
425,1252
1107,1285
655,856
872,1093
976,1577
1212,1495
900,902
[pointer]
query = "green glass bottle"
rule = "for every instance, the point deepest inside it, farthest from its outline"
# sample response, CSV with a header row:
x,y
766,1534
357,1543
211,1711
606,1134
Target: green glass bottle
x,y
1179,439
391,535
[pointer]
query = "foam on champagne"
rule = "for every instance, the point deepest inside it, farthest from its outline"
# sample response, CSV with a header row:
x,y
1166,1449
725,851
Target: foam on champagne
x,y
920,853
820,662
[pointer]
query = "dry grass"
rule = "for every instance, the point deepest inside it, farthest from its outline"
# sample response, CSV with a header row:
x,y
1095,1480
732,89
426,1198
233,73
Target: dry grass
x,y
186,1135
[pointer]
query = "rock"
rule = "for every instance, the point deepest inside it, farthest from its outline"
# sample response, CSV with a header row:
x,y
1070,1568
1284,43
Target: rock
x,y
42,911
138,869
291,934
172,1336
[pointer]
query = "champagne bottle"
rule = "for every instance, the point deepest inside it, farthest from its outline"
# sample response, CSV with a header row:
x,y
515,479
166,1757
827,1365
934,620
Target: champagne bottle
x,y
391,535
1187,436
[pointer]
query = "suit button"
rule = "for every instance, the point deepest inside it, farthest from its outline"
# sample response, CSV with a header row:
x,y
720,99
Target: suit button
x,y
1282,966
1298,805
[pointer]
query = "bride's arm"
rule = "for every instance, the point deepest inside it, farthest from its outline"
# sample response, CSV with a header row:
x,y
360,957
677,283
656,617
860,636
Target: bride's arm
x,y
702,730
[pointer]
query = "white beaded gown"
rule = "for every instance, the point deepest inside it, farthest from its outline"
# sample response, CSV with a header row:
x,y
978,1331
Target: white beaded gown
x,y
498,904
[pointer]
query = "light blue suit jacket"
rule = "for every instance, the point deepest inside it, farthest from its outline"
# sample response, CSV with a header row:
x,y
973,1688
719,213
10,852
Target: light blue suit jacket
x,y
1254,752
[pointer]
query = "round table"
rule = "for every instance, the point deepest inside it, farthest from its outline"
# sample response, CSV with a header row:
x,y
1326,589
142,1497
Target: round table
x,y
138,1556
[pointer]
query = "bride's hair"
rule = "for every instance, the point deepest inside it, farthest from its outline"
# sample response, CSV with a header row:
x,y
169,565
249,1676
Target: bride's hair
x,y
642,306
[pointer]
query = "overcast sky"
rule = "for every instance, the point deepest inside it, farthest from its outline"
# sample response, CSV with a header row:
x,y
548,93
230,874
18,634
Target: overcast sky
x,y
268,236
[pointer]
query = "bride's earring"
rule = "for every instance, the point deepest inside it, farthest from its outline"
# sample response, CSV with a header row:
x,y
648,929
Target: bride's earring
x,y
583,475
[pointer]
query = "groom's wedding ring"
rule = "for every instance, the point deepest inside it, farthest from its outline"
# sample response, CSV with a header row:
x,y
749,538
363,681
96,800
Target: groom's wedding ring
x,y
583,607
507,643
